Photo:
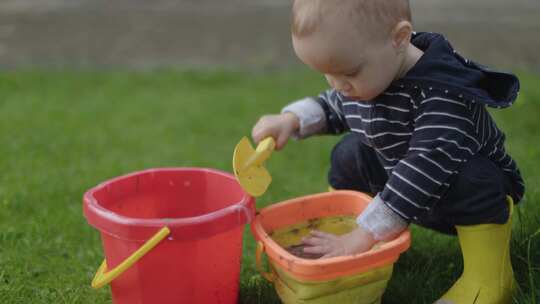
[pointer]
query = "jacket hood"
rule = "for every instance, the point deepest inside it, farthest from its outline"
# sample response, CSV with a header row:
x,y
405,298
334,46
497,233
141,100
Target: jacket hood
x,y
441,66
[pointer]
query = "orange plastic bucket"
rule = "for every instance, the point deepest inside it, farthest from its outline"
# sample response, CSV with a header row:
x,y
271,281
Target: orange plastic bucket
x,y
170,235
300,280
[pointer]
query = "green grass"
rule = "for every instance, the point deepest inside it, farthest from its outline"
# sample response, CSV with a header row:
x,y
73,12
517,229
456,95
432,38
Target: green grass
x,y
63,132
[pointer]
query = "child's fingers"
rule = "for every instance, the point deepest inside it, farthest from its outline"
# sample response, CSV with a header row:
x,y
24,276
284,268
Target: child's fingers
x,y
330,255
257,134
261,129
316,237
321,249
322,235
282,141
313,241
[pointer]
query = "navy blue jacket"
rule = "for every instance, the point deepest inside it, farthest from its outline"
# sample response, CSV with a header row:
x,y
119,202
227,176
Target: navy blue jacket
x,y
425,125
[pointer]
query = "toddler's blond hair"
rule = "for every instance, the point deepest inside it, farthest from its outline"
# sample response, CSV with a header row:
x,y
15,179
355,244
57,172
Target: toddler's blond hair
x,y
379,15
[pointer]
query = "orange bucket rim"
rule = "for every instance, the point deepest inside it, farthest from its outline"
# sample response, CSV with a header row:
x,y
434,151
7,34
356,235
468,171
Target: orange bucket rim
x,y
386,253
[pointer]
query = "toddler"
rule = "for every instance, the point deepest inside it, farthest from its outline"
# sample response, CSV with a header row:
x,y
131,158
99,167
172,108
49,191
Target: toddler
x,y
420,138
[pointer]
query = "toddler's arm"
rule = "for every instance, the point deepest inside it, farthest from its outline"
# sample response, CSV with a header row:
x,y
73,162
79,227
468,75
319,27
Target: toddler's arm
x,y
303,118
377,223
381,221
321,115
310,115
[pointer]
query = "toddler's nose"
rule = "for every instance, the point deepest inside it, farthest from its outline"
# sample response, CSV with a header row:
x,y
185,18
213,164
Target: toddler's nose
x,y
342,86
345,88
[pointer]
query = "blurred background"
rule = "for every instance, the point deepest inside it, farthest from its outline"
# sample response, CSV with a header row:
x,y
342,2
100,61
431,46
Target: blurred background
x,y
94,89
158,33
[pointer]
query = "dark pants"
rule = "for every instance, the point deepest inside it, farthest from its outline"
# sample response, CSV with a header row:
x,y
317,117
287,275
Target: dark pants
x,y
477,195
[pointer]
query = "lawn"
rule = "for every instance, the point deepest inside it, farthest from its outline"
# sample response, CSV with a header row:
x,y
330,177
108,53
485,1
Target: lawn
x,y
62,132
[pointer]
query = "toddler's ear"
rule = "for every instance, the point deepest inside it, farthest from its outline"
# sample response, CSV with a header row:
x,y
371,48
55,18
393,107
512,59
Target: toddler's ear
x,y
401,35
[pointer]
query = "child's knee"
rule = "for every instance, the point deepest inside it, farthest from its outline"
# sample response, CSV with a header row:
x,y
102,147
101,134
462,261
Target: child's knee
x,y
355,166
346,153
343,163
477,195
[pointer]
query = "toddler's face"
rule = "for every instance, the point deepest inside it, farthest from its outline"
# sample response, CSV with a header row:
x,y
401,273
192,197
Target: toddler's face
x,y
353,62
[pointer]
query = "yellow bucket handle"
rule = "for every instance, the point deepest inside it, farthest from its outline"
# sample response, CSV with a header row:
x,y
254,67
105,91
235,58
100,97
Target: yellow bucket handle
x,y
270,276
103,277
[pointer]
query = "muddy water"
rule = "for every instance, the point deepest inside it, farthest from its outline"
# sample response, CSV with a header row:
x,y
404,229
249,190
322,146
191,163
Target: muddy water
x,y
290,237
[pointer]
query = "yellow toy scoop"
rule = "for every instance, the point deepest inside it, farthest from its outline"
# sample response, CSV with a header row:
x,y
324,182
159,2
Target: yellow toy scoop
x,y
248,165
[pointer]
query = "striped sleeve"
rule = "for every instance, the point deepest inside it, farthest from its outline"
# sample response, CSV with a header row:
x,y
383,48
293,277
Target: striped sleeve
x,y
331,102
444,137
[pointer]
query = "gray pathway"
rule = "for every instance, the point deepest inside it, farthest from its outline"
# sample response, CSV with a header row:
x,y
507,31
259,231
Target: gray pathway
x,y
150,33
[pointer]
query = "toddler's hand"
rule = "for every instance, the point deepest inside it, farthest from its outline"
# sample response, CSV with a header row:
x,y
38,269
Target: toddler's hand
x,y
278,126
330,245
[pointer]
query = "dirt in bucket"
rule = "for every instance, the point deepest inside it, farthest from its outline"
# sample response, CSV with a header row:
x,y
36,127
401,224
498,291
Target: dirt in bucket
x,y
290,237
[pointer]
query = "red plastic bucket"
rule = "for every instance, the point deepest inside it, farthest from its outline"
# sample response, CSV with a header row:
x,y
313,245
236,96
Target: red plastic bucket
x,y
196,259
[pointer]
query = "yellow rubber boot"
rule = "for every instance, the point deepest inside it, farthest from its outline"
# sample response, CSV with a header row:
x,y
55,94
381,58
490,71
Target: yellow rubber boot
x,y
487,272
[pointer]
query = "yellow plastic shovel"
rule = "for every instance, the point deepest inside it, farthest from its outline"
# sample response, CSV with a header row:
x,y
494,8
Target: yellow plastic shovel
x,y
248,165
